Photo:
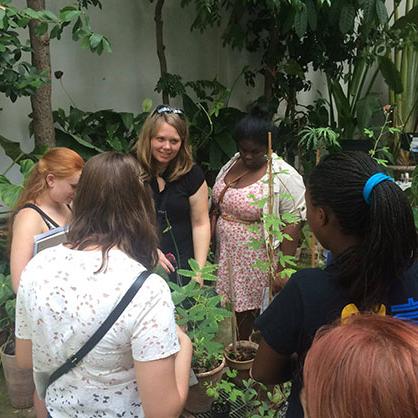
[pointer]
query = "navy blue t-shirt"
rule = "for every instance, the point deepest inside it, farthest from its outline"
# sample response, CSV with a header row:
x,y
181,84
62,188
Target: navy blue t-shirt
x,y
313,298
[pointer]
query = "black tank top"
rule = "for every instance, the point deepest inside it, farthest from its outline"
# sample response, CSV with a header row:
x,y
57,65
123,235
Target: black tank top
x,y
50,223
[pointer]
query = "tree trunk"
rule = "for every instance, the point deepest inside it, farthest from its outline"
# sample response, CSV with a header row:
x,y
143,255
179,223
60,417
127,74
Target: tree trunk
x,y
271,59
160,44
43,125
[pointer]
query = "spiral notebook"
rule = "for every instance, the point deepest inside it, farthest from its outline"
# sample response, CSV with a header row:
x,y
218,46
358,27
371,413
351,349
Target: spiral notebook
x,y
49,239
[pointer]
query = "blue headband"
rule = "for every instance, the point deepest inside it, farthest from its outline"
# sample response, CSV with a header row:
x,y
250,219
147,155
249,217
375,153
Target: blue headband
x,y
371,183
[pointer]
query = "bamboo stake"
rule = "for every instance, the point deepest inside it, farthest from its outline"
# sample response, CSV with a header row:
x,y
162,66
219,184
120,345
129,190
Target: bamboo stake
x,y
313,238
270,251
234,327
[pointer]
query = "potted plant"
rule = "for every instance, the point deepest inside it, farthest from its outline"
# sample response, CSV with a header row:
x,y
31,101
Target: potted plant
x,y
250,400
198,309
19,382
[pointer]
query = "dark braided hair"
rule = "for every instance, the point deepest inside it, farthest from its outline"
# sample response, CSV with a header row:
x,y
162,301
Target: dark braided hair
x,y
385,228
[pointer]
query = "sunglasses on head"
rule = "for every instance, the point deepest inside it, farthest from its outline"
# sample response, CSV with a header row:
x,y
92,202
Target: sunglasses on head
x,y
162,109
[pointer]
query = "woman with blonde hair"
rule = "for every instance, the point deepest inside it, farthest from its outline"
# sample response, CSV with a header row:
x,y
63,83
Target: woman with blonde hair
x,y
365,368
179,187
43,204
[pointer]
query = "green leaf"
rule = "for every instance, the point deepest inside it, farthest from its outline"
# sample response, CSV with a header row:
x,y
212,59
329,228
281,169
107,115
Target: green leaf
x,y
194,265
301,21
312,15
366,108
369,10
359,68
410,18
127,119
226,143
2,15
41,29
147,105
26,167
95,40
347,17
9,193
33,14
106,45
381,12
68,14
391,74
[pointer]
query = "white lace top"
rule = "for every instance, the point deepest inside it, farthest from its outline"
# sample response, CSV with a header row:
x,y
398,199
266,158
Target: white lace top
x,y
61,302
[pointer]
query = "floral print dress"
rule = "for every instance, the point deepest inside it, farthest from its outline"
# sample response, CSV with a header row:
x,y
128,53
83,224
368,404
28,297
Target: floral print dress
x,y
234,256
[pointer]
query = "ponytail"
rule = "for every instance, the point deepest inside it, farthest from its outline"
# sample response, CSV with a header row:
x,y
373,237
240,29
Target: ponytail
x,y
384,228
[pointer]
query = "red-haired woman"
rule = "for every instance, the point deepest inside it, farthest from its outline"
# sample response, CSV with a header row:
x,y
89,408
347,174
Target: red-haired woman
x,y
366,368
43,204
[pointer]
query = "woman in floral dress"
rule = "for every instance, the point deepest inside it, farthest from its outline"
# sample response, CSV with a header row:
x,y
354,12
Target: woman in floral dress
x,y
239,280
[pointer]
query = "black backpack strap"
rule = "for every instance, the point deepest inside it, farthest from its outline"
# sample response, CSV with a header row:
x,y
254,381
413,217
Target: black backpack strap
x,y
50,223
102,330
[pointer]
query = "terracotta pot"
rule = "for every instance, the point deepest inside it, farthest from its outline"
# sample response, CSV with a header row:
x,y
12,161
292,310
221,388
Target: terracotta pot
x,y
243,367
19,382
197,400
255,337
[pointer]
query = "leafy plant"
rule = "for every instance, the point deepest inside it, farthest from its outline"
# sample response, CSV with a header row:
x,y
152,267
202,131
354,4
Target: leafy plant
x,y
7,310
198,309
89,133
278,264
18,77
380,152
258,401
9,192
318,140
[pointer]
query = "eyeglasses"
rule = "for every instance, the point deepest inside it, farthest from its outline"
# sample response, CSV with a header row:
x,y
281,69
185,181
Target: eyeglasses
x,y
162,109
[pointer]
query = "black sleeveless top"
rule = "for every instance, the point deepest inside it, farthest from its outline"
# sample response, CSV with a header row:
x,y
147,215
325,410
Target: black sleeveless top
x,y
50,223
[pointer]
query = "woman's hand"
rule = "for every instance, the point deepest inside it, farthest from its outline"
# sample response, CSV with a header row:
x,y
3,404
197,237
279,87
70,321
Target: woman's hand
x,y
165,262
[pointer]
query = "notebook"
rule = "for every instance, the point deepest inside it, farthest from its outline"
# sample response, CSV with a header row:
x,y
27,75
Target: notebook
x,y
49,239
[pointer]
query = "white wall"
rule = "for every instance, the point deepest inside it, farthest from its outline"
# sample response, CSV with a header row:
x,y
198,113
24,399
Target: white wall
x,y
123,79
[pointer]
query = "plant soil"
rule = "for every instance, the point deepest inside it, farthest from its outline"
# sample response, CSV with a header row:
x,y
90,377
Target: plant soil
x,y
220,409
203,369
242,353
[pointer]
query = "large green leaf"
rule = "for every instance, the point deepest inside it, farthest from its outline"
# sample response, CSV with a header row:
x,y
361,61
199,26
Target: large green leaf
x,y
391,74
410,18
369,9
301,21
347,17
13,150
381,12
76,143
366,107
358,73
312,16
9,192
189,106
226,143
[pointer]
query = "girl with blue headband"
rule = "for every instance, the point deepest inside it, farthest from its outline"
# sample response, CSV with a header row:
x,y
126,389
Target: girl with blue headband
x,y
360,215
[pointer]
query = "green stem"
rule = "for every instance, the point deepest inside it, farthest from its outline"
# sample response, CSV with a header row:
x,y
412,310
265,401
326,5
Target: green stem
x,y
15,161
